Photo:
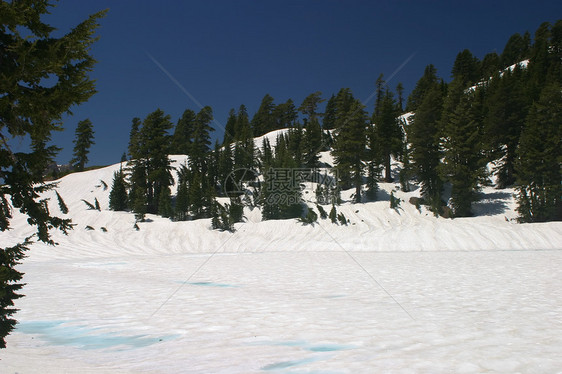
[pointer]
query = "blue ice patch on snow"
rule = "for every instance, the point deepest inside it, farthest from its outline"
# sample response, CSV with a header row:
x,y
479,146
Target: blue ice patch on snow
x,y
60,333
329,348
211,284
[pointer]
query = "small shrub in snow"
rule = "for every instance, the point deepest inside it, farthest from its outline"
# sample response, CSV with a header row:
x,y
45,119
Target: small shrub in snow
x,y
62,206
394,201
322,212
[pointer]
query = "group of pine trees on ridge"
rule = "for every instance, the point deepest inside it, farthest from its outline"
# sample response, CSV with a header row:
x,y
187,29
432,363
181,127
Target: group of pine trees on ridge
x,y
502,109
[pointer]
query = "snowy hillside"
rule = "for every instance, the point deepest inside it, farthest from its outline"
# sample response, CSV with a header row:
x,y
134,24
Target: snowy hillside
x,y
394,291
373,226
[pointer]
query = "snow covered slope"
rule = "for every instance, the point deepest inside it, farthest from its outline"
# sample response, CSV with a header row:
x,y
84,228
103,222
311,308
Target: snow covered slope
x,y
373,226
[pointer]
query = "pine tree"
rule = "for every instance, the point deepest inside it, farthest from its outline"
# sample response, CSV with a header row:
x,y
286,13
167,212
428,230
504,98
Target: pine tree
x,y
350,149
82,143
134,141
466,68
285,115
32,106
183,134
329,120
516,49
230,128
225,168
400,93
242,129
423,86
312,142
539,177
424,136
463,162
201,139
388,131
182,197
118,193
491,64
264,120
380,84
507,105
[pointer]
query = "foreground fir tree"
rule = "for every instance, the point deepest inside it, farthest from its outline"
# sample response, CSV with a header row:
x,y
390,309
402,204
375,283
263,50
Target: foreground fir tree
x,y
539,191
29,52
82,143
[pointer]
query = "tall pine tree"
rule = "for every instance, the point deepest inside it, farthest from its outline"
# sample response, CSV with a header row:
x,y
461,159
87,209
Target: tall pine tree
x,y
30,105
539,158
424,135
82,143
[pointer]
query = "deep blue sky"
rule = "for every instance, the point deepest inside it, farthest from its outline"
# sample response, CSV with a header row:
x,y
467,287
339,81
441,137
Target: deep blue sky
x,y
227,53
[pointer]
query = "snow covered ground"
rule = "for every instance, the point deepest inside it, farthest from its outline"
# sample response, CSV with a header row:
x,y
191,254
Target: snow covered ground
x,y
394,291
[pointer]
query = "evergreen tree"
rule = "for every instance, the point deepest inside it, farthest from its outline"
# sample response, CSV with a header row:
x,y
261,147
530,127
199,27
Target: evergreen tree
x,y
309,106
30,106
225,168
343,103
380,83
183,134
350,149
150,168
118,193
182,197
312,142
264,121
329,120
466,68
285,115
424,136
134,141
423,86
230,128
491,64
82,143
400,93
388,131
539,188
516,49
243,129
201,139
463,162
507,105
165,202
